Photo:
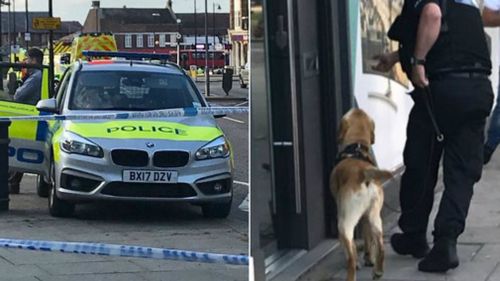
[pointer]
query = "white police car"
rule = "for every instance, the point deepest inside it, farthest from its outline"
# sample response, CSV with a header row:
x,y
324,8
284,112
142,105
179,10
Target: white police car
x,y
184,159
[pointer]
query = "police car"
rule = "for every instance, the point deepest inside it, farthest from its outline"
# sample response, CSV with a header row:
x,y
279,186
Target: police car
x,y
184,159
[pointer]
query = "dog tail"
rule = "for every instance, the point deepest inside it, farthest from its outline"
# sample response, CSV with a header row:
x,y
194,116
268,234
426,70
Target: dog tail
x,y
377,175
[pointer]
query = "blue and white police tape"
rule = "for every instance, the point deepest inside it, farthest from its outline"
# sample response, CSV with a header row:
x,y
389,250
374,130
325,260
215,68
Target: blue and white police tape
x,y
153,114
123,251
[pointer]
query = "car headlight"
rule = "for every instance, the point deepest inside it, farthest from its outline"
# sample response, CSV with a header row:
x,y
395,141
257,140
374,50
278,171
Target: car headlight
x,y
218,148
73,143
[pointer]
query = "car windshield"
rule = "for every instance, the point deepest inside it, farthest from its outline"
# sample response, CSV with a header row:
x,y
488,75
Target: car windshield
x,y
131,90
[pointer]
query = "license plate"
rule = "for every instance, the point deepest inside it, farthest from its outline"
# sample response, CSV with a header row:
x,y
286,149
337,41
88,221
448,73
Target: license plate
x,y
150,176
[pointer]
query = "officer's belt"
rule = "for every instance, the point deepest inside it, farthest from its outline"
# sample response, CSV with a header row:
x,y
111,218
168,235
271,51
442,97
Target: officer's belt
x,y
462,75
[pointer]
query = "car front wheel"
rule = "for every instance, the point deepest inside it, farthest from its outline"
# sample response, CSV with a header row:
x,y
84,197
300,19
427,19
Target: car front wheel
x,y
57,206
216,210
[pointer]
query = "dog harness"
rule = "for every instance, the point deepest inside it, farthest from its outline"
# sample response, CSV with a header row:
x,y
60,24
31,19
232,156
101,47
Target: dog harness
x,y
356,151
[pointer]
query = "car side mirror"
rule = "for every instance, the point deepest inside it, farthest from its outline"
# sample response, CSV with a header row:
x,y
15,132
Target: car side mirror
x,y
47,105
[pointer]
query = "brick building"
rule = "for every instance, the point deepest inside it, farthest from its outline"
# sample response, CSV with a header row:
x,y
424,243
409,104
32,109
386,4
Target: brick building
x,y
153,29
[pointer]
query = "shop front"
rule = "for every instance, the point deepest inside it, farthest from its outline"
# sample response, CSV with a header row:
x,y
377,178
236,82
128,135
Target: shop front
x,y
301,86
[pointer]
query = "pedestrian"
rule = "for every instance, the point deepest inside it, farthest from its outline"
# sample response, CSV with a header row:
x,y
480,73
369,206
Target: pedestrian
x,y
491,17
443,50
28,93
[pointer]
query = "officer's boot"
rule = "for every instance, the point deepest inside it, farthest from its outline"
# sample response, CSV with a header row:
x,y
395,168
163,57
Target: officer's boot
x,y
442,257
410,244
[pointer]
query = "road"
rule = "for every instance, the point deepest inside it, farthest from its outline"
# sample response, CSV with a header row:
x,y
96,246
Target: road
x,y
216,88
178,226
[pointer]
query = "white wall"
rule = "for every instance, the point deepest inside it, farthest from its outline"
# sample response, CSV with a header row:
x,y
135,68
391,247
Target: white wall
x,y
390,124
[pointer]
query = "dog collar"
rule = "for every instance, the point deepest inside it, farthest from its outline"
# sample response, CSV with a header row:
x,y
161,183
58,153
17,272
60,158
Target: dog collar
x,y
357,151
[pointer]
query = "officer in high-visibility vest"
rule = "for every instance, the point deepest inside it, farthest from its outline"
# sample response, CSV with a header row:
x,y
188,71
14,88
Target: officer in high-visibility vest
x,y
28,93
443,50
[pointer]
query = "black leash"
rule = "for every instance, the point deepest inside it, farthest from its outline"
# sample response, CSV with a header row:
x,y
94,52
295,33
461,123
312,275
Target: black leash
x,y
427,97
427,100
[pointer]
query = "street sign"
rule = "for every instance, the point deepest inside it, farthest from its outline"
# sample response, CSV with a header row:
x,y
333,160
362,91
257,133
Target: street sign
x,y
46,23
27,36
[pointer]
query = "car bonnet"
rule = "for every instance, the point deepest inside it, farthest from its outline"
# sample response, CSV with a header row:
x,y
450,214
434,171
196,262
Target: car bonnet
x,y
198,128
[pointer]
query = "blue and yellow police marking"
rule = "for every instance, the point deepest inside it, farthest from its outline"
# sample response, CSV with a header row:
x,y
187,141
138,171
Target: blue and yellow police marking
x,y
144,129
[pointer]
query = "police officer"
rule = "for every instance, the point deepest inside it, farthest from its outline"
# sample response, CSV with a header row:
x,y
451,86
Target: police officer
x,y
28,93
444,52
491,17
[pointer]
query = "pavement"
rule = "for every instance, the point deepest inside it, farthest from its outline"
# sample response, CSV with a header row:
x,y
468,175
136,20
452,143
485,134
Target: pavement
x,y
170,226
478,246
179,226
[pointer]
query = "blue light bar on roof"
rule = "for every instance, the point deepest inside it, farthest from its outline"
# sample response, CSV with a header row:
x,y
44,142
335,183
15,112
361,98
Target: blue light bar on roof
x,y
126,55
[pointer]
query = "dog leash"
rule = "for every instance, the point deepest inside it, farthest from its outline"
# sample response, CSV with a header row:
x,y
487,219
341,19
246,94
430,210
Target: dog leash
x,y
428,105
439,137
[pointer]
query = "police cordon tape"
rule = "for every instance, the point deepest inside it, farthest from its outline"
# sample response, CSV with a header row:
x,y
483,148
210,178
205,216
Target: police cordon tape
x,y
123,251
153,114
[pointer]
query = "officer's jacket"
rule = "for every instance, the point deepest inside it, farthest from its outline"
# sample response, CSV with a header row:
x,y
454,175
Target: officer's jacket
x,y
461,45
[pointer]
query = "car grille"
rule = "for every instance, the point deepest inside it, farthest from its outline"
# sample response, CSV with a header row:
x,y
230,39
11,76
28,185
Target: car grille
x,y
131,158
150,190
170,159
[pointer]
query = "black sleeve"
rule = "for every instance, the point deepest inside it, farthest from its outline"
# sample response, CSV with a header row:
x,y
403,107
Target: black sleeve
x,y
419,5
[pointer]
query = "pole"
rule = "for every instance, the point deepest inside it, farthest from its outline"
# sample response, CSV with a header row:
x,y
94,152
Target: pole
x,y
97,27
178,53
195,39
178,42
1,29
4,166
213,43
27,24
1,38
51,54
1,45
14,22
9,34
207,75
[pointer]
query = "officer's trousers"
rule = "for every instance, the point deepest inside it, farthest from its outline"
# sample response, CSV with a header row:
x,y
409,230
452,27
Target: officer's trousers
x,y
460,106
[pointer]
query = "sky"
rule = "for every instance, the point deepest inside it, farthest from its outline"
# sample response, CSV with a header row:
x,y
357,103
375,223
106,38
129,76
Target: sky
x,y
77,9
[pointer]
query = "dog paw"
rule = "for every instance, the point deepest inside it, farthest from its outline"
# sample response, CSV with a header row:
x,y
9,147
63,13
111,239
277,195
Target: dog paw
x,y
377,274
